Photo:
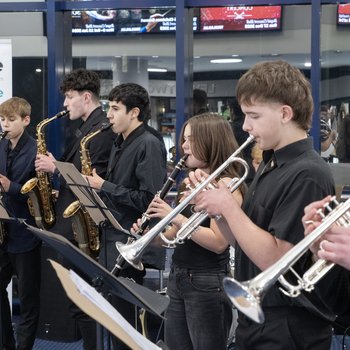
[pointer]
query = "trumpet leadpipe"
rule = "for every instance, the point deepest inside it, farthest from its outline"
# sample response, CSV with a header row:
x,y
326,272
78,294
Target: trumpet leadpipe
x,y
133,252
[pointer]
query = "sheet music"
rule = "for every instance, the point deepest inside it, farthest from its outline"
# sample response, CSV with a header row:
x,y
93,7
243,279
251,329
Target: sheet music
x,y
87,196
90,293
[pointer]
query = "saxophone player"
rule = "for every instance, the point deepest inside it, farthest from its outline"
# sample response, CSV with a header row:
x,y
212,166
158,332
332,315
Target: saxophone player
x,y
20,250
81,89
136,171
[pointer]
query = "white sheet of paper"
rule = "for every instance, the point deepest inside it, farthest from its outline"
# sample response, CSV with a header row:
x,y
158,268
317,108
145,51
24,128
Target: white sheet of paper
x,y
96,298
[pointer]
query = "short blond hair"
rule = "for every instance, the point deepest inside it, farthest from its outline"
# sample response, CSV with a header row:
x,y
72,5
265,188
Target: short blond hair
x,y
15,105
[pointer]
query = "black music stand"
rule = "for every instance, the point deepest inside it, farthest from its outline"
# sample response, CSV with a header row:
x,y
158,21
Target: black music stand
x,y
94,305
87,196
4,216
99,277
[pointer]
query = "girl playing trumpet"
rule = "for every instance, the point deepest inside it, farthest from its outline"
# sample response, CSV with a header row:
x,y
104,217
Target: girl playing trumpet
x,y
199,315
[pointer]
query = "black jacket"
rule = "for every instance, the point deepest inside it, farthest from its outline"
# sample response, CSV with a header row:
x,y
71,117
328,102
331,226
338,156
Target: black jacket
x,y
19,169
99,149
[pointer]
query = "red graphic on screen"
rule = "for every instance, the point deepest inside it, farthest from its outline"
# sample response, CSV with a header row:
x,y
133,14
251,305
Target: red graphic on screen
x,y
343,15
240,18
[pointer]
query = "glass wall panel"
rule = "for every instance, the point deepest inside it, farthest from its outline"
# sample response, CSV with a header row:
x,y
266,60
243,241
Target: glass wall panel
x,y
29,51
141,50
335,86
221,57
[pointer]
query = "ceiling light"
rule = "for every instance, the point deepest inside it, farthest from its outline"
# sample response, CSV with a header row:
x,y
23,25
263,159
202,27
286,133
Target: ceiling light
x,y
226,60
307,64
38,70
160,70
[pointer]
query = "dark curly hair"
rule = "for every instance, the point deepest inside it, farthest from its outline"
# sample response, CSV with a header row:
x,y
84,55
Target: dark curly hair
x,y
82,80
132,95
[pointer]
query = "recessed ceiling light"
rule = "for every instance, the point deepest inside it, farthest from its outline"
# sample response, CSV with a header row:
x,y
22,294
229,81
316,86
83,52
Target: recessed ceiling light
x,y
226,60
307,64
234,55
155,56
160,70
196,56
38,70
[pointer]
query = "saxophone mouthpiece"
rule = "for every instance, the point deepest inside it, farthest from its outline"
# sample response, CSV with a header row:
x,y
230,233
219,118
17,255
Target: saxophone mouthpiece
x,y
105,126
3,135
62,114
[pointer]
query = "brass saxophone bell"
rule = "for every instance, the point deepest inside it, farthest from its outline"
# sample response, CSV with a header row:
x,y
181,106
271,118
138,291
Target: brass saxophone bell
x,y
71,209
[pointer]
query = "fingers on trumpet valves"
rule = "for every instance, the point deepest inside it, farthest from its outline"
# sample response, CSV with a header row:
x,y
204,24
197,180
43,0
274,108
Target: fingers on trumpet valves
x,y
322,243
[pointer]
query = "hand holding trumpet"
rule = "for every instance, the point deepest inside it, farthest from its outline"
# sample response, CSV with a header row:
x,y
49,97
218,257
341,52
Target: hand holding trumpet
x,y
334,245
216,201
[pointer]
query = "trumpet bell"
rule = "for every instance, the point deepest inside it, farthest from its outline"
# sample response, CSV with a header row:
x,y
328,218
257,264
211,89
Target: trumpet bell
x,y
244,300
126,250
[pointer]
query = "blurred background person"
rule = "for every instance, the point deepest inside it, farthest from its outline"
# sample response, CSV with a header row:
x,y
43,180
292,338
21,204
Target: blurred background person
x,y
327,134
200,102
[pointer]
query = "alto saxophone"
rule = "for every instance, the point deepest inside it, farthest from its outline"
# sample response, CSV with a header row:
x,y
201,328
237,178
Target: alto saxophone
x,y
41,197
85,231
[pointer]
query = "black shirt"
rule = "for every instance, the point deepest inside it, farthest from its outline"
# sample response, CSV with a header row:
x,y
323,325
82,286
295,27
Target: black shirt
x,y
192,256
287,181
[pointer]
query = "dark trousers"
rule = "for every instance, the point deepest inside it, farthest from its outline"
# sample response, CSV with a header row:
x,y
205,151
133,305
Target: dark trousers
x,y
199,314
87,326
27,267
108,256
285,328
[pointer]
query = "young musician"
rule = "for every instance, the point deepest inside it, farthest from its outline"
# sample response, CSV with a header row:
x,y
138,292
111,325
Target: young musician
x,y
199,314
82,90
277,102
136,171
20,249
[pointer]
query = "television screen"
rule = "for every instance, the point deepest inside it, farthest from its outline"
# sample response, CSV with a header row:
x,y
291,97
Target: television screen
x,y
343,14
240,18
127,21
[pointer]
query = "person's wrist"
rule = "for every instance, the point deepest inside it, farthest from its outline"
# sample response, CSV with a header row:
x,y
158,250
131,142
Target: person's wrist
x,y
179,221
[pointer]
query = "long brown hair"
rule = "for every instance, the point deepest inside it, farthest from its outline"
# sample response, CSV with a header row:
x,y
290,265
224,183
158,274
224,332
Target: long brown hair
x,y
212,141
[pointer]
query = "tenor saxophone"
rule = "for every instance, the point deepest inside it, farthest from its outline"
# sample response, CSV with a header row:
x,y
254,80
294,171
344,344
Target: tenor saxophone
x,y
85,231
41,197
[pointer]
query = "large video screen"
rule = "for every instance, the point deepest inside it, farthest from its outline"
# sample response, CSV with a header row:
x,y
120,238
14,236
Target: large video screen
x,y
128,21
343,14
240,18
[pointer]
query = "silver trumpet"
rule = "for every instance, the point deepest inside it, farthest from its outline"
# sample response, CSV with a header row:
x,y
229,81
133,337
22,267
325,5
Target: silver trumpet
x,y
247,296
132,252
196,219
